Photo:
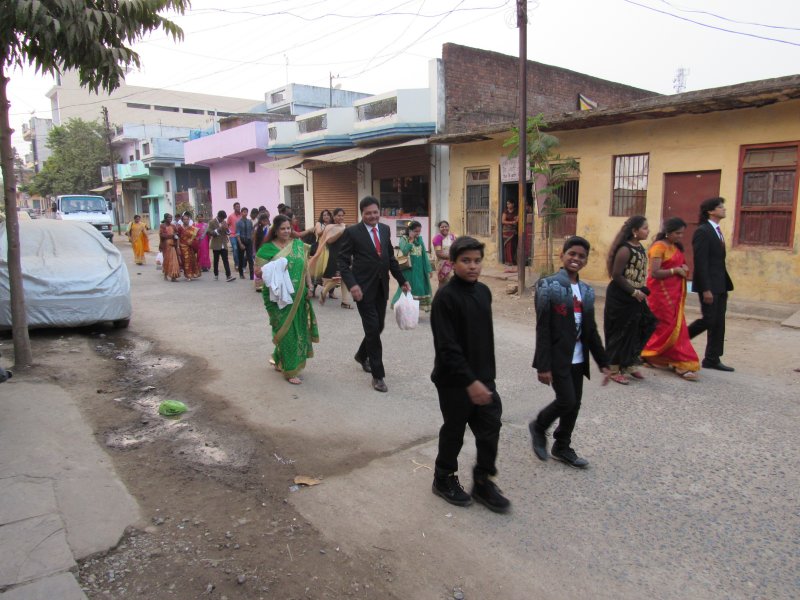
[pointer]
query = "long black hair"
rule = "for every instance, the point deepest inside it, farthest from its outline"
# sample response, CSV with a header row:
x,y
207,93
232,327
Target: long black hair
x,y
322,214
624,235
671,225
276,224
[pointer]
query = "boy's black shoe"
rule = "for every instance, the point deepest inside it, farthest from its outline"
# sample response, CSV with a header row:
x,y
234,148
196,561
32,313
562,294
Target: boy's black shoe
x,y
449,488
567,455
488,494
538,439
364,363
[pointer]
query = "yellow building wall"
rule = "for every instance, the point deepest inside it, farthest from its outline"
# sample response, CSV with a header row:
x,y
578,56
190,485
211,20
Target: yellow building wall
x,y
682,143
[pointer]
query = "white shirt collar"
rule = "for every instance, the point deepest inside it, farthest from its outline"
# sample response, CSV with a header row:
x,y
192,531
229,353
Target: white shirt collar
x,y
371,227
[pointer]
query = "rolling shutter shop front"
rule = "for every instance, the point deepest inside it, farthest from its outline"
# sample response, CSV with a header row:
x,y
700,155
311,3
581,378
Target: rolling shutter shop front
x,y
336,187
401,162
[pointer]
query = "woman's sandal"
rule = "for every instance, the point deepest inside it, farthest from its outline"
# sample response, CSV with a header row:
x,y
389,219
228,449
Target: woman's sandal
x,y
294,380
687,375
346,305
636,374
619,378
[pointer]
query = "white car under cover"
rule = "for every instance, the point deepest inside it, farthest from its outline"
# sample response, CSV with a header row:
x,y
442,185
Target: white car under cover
x,y
72,276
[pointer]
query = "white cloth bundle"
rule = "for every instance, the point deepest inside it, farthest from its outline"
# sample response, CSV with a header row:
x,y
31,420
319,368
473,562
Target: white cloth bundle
x,y
276,278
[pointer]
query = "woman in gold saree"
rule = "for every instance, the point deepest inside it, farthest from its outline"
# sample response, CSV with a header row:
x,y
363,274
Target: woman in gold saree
x,y
137,234
187,235
168,247
291,316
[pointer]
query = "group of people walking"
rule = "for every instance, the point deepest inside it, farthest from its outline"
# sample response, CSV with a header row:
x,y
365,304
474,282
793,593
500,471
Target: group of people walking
x,y
644,319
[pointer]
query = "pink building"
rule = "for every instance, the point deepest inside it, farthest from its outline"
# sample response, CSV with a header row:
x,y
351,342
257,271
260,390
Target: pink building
x,y
234,158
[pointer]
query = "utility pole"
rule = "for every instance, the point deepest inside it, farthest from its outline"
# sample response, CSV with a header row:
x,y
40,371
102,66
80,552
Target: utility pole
x,y
522,202
117,211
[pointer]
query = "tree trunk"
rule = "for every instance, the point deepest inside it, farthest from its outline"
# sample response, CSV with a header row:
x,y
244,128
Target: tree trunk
x,y
19,320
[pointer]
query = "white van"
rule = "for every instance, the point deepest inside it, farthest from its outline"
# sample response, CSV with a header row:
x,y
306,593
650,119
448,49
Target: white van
x,y
94,210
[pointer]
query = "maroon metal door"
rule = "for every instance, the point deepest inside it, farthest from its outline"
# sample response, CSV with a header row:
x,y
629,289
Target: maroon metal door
x,y
683,193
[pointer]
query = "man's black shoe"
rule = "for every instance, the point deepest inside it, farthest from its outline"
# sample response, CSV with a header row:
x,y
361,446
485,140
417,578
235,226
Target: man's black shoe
x,y
707,364
379,385
364,364
449,488
539,440
488,494
568,456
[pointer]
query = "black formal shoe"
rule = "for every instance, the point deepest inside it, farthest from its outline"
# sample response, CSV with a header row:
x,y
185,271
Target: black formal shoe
x,y
539,440
568,456
449,488
488,494
707,364
379,385
364,363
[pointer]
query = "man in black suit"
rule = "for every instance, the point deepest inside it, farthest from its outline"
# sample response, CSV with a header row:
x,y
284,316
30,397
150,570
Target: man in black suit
x,y
365,259
711,282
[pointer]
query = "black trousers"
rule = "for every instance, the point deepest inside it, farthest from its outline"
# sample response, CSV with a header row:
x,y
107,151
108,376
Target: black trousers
x,y
713,321
568,386
224,255
245,256
373,316
484,421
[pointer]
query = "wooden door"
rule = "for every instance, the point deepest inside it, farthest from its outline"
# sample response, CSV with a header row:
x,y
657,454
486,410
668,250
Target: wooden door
x,y
683,193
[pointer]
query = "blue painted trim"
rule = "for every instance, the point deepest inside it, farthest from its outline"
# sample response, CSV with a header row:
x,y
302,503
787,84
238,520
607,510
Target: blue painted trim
x,y
394,130
326,141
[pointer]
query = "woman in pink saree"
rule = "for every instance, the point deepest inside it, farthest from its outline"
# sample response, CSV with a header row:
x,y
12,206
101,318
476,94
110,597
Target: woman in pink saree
x,y
669,346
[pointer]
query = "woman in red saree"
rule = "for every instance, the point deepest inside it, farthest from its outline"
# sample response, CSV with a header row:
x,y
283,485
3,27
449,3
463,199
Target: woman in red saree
x,y
669,346
509,223
187,235
168,247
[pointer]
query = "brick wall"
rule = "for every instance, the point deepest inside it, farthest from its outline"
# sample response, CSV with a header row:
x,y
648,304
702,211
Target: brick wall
x,y
481,89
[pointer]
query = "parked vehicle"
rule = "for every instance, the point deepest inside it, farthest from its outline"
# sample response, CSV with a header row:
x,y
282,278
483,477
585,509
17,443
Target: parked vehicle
x,y
71,275
29,212
94,210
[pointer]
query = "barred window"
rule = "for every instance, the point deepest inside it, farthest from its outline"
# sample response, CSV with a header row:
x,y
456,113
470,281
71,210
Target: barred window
x,y
477,203
630,185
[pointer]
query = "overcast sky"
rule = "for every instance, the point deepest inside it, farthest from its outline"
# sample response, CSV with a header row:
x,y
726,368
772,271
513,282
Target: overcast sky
x,y
242,47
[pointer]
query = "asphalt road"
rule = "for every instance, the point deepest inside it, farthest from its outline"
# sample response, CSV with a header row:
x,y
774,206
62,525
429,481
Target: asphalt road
x,y
692,490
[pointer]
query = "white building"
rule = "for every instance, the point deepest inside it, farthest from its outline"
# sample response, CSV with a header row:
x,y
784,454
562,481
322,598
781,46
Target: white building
x,y
142,105
36,132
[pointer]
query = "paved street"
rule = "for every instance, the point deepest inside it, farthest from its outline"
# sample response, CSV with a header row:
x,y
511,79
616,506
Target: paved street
x,y
691,493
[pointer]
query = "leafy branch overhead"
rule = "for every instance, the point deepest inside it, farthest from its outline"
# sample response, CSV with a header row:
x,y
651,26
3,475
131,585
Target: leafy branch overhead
x,y
91,36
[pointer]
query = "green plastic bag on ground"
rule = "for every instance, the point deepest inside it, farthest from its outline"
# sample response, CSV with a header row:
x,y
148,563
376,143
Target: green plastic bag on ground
x,y
171,408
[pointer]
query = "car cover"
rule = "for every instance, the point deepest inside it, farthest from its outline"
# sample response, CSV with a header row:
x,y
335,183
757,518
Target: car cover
x,y
71,275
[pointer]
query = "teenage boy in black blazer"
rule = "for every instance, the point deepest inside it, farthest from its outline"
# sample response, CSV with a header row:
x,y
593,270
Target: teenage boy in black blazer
x,y
365,259
566,333
711,282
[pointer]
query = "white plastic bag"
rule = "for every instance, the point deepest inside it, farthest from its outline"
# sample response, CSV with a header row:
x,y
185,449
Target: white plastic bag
x,y
159,258
406,311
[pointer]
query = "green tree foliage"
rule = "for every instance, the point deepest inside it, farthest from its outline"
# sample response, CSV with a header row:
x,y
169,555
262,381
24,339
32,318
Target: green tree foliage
x,y
78,152
90,36
546,165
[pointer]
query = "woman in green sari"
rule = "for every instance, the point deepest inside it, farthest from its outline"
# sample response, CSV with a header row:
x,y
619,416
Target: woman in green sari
x,y
294,326
418,273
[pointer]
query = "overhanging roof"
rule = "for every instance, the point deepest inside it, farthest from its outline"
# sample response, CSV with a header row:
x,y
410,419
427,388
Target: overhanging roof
x,y
341,156
100,189
284,163
753,94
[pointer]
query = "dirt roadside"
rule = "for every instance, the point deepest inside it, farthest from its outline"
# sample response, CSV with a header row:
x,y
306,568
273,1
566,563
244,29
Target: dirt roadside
x,y
215,491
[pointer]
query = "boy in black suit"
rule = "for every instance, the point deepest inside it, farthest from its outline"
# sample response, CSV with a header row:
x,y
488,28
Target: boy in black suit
x,y
711,282
464,372
365,259
566,333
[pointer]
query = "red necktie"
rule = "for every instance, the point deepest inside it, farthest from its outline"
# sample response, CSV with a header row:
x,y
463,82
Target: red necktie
x,y
376,240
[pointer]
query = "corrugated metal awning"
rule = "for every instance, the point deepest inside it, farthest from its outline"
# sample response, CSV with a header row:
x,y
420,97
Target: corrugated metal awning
x,y
341,156
284,163
356,153
101,189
